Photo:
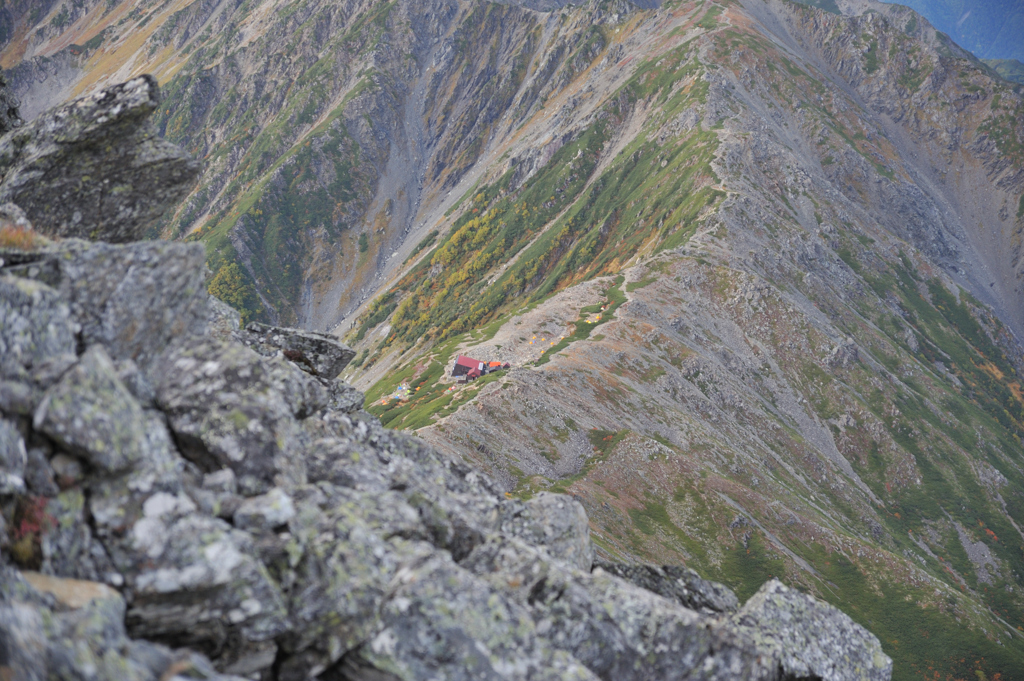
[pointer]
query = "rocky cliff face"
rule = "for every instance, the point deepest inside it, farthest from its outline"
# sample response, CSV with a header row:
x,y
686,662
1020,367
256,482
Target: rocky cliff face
x,y
183,498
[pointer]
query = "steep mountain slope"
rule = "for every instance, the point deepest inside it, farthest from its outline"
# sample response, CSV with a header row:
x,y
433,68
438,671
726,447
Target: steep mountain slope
x,y
799,356
327,129
991,30
756,265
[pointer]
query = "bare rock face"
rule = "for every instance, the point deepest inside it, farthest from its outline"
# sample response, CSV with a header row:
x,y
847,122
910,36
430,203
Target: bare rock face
x,y
10,118
95,168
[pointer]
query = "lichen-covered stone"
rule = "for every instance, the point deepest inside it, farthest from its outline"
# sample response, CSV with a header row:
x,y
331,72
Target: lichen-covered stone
x,y
12,215
343,397
55,628
18,398
317,353
67,544
344,550
134,299
13,459
224,320
554,521
202,587
440,621
230,407
39,474
95,168
266,511
118,503
35,328
618,630
90,413
811,639
678,583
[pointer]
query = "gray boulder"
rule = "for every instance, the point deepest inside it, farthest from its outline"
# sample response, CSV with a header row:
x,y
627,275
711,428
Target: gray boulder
x,y
118,502
67,545
55,628
811,639
344,398
677,583
227,406
203,587
11,214
265,512
134,299
39,474
618,630
13,458
554,521
317,353
224,320
95,168
91,414
35,328
340,585
441,621
20,398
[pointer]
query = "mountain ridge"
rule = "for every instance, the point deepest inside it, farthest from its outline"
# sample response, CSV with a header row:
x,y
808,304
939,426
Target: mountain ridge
x,y
991,31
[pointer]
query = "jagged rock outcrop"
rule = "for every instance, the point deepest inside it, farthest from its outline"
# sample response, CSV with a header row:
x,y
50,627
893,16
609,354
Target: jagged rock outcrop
x,y
317,353
10,118
801,631
677,583
212,499
95,168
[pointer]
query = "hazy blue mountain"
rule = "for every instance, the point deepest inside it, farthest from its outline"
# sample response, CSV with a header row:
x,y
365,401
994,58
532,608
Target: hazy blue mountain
x,y
991,30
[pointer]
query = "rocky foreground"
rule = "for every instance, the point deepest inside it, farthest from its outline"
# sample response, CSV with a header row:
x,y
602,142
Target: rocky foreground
x,y
182,498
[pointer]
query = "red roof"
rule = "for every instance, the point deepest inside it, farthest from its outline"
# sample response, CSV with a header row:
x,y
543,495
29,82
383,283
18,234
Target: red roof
x,y
468,362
